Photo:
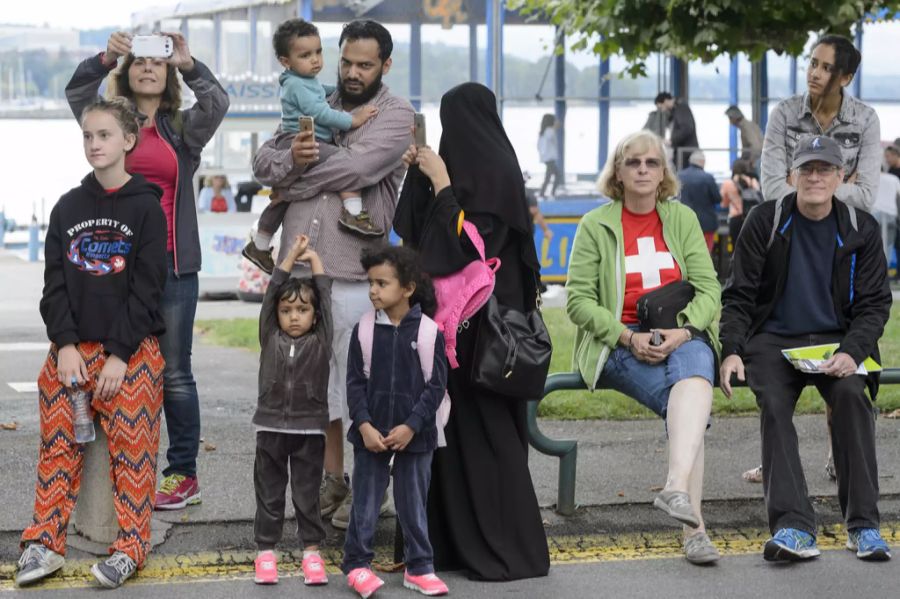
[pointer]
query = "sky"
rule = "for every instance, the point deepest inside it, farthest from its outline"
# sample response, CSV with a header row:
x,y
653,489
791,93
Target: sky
x,y
82,14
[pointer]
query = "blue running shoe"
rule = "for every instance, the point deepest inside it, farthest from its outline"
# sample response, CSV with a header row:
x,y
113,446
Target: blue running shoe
x,y
790,544
868,544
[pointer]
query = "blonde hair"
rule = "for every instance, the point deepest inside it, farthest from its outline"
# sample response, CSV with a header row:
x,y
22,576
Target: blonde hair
x,y
640,143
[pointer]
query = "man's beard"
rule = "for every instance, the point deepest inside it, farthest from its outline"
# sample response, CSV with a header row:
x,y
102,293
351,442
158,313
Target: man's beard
x,y
361,97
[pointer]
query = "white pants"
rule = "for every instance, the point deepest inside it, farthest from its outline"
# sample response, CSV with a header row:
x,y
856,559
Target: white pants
x,y
349,300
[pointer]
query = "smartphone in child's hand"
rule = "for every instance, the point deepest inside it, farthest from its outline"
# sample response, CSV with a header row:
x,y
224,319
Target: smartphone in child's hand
x,y
655,338
152,46
419,123
306,124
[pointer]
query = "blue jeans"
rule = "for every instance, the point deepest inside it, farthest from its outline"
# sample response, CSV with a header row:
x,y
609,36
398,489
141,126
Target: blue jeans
x,y
650,384
412,476
180,401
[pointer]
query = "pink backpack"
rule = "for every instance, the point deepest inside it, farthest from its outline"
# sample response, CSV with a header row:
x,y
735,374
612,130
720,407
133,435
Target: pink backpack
x,y
424,347
461,294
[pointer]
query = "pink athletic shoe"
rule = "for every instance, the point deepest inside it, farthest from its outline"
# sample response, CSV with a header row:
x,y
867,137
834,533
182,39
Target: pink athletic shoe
x,y
266,568
427,584
364,582
314,570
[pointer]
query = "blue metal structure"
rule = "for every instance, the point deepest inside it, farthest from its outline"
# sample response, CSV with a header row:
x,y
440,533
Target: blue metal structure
x,y
603,106
559,104
415,64
733,99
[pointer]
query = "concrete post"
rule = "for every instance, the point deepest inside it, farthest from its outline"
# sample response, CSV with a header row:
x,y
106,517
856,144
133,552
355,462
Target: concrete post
x,y
94,517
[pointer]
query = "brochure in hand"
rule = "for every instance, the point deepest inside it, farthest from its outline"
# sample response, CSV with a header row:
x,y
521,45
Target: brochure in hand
x,y
810,357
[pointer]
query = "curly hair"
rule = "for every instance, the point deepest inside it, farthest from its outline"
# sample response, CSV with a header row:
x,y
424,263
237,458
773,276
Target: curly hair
x,y
409,270
119,86
638,143
120,109
287,31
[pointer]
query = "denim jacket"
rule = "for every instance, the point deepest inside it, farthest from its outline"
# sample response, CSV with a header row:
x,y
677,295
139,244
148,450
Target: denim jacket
x,y
856,128
396,391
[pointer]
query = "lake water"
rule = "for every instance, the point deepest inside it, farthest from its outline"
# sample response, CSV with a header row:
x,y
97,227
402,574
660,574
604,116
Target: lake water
x,y
42,159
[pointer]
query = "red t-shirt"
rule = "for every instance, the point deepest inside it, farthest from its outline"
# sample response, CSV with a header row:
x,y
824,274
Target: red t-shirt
x,y
648,263
155,159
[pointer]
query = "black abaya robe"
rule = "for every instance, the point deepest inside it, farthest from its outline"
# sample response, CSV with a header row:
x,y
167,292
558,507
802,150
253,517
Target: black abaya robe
x,y
483,513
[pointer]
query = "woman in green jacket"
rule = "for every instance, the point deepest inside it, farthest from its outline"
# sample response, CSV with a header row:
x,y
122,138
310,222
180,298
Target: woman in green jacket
x,y
638,242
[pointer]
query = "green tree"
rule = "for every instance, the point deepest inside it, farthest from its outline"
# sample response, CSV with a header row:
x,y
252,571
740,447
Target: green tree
x,y
698,29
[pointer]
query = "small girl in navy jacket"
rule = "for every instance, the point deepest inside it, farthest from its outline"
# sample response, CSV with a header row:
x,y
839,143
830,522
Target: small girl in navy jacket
x,y
392,410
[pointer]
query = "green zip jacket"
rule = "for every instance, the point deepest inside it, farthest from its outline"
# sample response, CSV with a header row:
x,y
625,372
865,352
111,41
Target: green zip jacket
x,y
596,285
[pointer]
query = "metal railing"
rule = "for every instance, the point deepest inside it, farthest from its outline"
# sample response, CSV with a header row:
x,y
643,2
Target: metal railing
x,y
567,449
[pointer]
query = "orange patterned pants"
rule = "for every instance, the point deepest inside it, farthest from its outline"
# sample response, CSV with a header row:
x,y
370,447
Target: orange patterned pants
x,y
131,422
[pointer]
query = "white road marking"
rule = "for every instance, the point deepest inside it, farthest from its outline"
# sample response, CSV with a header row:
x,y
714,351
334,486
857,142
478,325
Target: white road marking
x,y
29,387
24,346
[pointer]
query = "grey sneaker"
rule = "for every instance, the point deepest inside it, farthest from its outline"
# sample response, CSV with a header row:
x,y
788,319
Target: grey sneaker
x,y
37,562
332,493
341,518
678,505
698,549
114,571
261,258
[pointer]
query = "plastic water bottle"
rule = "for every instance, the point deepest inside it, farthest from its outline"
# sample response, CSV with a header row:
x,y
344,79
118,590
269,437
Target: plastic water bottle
x,y
84,425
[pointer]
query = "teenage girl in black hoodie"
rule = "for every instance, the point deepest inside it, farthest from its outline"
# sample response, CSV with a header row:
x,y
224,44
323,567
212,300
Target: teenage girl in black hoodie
x,y
105,267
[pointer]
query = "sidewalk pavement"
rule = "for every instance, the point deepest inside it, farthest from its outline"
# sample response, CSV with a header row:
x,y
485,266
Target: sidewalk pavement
x,y
621,465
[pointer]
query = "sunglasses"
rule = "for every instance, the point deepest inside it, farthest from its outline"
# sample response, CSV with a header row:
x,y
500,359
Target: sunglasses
x,y
652,164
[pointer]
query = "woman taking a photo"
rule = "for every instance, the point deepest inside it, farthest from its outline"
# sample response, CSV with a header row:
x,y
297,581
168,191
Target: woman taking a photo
x,y
638,242
483,513
168,153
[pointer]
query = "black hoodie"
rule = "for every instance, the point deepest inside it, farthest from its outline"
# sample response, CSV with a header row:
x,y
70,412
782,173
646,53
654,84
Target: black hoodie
x,y
105,266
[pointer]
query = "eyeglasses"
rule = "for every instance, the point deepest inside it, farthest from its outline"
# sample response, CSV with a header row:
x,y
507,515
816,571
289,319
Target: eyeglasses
x,y
821,169
652,164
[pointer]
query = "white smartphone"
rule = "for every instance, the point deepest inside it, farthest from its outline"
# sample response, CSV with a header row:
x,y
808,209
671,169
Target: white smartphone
x,y
152,46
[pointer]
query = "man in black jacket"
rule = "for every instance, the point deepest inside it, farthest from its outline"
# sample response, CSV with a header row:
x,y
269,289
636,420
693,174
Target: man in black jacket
x,y
684,130
809,270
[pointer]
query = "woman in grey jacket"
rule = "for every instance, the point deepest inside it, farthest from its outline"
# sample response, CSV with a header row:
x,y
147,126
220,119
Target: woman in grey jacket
x,y
825,109
168,155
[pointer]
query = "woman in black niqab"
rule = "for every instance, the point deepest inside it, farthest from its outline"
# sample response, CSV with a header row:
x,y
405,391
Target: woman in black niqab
x,y
482,510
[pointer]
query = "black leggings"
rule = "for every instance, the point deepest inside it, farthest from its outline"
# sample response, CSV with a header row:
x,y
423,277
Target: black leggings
x,y
553,171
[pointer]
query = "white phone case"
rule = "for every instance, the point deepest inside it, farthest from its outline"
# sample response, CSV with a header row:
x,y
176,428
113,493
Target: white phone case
x,y
152,46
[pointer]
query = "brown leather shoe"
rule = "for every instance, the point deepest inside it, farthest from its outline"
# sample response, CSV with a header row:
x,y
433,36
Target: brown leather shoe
x,y
261,258
360,224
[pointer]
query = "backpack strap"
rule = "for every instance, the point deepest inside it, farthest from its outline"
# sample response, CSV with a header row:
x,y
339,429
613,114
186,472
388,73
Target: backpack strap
x,y
779,206
853,222
365,333
427,337
472,231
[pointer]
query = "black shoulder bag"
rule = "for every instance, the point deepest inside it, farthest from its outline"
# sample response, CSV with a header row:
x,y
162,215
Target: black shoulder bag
x,y
512,351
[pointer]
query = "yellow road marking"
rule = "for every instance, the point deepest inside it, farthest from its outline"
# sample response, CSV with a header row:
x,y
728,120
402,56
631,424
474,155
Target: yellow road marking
x,y
238,565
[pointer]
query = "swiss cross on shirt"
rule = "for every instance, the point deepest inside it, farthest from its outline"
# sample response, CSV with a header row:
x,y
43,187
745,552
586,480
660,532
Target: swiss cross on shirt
x,y
648,262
